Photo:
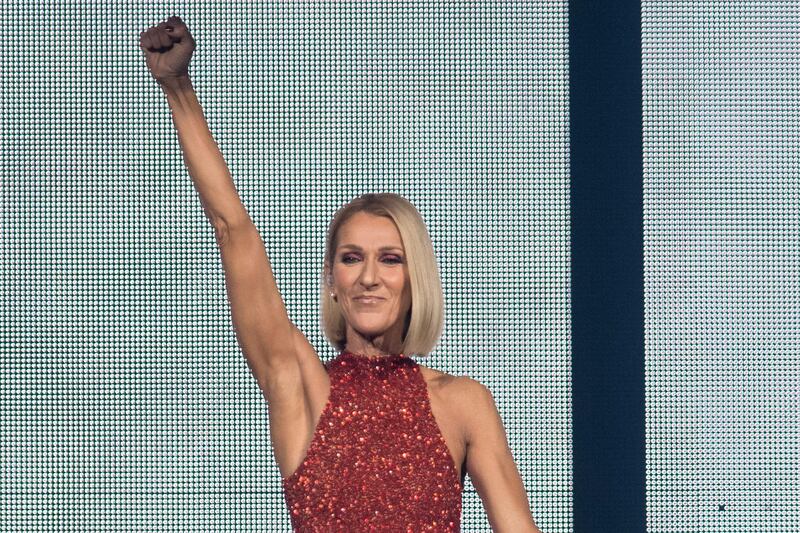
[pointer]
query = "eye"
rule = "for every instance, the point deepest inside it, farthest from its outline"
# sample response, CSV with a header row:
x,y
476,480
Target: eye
x,y
391,258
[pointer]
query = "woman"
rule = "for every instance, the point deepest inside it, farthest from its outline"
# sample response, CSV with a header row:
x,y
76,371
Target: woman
x,y
371,439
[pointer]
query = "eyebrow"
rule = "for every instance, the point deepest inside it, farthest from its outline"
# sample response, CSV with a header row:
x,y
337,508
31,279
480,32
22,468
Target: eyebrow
x,y
355,247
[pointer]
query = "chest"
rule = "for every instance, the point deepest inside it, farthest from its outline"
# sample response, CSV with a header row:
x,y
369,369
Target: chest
x,y
381,438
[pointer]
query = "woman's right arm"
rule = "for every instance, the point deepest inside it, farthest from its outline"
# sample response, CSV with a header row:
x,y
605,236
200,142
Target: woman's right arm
x,y
207,168
263,329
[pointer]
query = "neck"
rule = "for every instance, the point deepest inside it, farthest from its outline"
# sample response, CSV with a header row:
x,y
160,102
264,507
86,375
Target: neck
x,y
375,348
373,359
372,356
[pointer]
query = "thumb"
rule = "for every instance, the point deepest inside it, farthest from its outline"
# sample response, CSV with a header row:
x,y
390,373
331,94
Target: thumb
x,y
175,28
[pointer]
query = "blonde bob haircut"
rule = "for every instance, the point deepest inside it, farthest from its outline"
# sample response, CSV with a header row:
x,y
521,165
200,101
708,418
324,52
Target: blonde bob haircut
x,y
425,319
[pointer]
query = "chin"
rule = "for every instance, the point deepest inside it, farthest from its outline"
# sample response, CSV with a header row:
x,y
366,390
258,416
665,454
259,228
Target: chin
x,y
371,332
370,329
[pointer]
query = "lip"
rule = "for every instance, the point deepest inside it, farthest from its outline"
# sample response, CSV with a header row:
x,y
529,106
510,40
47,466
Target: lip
x,y
368,299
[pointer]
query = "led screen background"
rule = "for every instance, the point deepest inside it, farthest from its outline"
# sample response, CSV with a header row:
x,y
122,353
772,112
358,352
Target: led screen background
x,y
722,253
127,402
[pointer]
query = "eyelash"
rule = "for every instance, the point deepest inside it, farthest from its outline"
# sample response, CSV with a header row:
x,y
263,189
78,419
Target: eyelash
x,y
395,259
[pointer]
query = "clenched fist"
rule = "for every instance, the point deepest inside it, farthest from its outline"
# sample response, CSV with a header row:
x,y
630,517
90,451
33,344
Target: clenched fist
x,y
167,49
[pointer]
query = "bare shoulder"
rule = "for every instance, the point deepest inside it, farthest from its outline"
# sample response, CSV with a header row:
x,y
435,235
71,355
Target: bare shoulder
x,y
476,406
468,389
460,390
462,393
436,378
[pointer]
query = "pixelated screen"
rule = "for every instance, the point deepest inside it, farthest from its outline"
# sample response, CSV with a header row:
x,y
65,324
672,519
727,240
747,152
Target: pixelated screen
x,y
722,249
128,404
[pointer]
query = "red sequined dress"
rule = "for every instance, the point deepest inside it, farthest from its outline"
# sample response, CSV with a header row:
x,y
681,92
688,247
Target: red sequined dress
x,y
377,460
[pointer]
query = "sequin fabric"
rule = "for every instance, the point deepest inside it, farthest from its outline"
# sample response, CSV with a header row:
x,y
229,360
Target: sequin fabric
x,y
377,460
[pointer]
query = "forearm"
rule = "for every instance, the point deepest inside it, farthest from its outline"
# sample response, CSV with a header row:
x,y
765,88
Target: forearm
x,y
204,161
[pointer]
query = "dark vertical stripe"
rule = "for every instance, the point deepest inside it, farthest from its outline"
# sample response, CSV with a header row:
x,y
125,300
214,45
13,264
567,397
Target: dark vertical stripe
x,y
607,266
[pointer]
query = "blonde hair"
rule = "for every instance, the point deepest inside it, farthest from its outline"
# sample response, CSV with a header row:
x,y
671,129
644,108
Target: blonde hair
x,y
425,319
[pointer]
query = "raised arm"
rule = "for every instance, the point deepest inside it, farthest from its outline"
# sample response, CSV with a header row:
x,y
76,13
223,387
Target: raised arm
x,y
204,161
265,334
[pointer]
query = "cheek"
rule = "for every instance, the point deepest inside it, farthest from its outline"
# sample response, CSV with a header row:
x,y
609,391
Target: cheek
x,y
343,277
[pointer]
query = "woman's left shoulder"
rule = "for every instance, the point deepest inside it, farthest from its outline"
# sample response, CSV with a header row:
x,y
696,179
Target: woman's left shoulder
x,y
457,388
433,376
466,386
439,378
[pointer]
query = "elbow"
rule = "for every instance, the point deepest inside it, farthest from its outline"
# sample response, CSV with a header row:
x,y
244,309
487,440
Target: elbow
x,y
221,232
225,230
236,224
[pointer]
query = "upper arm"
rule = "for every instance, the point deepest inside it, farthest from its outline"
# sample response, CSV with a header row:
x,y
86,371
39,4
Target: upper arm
x,y
490,463
286,366
265,334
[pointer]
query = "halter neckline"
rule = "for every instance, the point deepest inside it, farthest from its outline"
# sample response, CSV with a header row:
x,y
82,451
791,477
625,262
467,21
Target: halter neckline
x,y
372,358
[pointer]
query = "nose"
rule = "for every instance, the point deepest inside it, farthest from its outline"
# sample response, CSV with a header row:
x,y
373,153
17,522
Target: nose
x,y
367,277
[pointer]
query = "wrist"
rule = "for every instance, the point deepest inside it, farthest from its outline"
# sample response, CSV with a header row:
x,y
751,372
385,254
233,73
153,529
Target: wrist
x,y
176,83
